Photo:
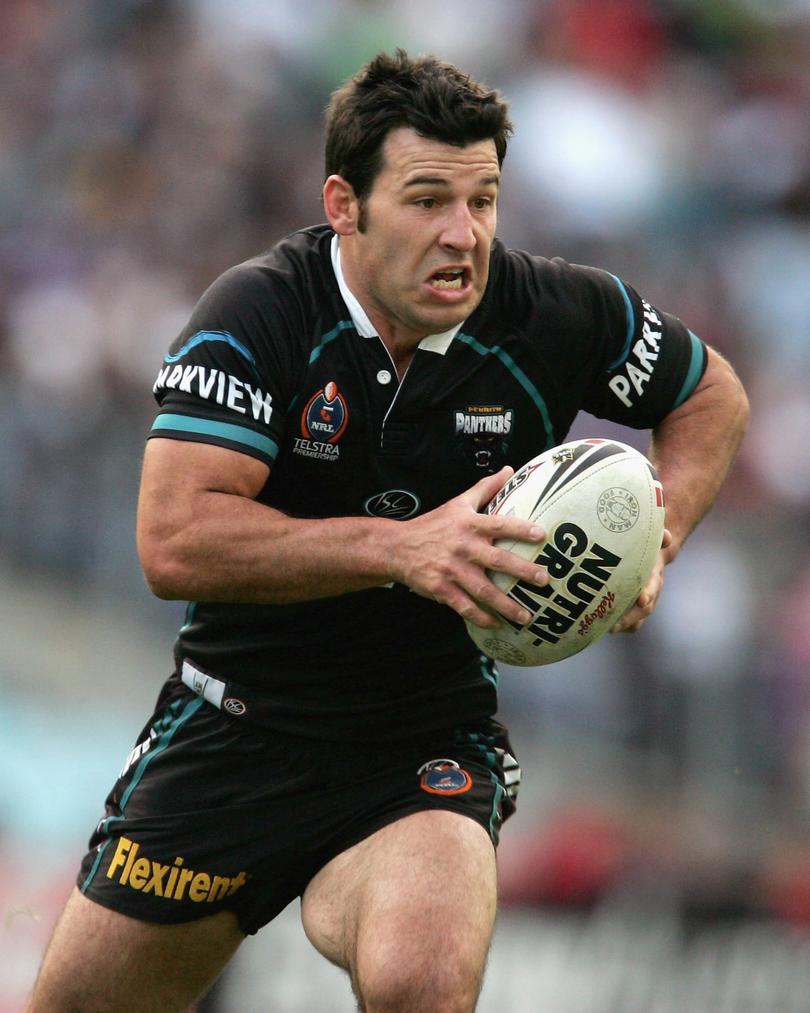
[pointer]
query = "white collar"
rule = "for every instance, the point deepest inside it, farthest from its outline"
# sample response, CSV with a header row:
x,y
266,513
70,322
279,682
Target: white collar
x,y
364,327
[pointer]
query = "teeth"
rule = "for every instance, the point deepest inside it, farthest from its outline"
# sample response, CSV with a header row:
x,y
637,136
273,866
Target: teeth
x,y
448,279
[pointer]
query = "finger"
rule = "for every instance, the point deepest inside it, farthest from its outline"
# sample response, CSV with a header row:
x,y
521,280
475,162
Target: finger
x,y
471,610
490,597
484,489
503,561
499,526
634,617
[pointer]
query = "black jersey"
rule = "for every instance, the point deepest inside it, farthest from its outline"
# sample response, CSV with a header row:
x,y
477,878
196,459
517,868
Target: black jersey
x,y
273,365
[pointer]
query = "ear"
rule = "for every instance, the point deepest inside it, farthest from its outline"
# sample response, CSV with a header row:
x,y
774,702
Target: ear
x,y
341,205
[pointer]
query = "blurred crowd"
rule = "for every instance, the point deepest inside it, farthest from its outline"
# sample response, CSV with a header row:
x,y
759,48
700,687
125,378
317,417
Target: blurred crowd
x,y
146,145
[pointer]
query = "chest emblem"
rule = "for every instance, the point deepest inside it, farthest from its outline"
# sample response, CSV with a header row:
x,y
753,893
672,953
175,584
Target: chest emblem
x,y
396,504
323,422
482,434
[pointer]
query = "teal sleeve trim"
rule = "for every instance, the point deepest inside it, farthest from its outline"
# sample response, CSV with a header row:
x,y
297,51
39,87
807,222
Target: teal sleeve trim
x,y
695,372
631,325
224,430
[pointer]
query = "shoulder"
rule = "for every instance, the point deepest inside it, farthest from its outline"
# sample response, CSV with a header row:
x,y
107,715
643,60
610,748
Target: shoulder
x,y
555,279
526,286
298,268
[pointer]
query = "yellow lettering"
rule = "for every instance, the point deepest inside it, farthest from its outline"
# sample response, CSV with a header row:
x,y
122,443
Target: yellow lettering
x,y
185,876
200,885
169,881
121,850
173,877
139,873
133,851
236,882
219,887
156,882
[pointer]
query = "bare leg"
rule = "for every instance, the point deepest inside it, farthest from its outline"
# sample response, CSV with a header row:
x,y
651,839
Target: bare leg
x,y
409,912
99,961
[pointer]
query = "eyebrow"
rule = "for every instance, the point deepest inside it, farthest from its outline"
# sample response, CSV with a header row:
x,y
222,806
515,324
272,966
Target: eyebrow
x,y
439,181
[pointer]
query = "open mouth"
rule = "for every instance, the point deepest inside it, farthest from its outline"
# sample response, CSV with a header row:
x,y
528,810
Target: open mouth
x,y
452,278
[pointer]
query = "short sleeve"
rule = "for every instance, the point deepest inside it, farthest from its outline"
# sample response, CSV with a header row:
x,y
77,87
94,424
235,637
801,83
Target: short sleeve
x,y
651,362
225,377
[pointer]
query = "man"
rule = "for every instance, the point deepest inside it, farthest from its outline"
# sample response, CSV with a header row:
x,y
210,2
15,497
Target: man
x,y
332,421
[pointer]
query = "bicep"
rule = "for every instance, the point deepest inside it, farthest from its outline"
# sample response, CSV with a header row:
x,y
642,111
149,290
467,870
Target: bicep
x,y
177,478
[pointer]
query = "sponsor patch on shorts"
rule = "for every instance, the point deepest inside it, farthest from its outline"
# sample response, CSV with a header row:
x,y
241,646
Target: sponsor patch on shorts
x,y
444,777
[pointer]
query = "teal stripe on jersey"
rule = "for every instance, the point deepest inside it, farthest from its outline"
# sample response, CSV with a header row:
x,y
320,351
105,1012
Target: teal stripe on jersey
x,y
337,330
191,608
695,370
631,324
489,671
225,430
204,336
343,325
168,726
519,375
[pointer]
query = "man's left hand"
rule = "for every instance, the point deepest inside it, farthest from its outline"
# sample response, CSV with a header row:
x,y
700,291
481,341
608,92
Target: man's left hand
x,y
636,615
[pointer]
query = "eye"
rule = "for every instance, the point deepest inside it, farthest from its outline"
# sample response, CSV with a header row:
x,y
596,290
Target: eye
x,y
427,202
481,203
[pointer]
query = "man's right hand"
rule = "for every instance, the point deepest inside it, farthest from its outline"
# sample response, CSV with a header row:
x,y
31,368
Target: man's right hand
x,y
445,554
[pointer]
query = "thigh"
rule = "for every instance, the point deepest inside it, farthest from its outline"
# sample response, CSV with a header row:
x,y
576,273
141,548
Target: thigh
x,y
99,960
415,900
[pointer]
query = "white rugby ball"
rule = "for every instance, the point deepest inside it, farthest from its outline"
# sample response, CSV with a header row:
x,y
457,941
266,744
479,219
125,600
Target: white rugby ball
x,y
602,507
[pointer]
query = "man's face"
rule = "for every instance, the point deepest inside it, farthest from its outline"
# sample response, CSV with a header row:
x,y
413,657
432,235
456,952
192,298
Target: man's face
x,y
421,263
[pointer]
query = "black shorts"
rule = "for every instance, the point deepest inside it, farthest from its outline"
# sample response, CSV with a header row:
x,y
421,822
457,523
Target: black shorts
x,y
212,813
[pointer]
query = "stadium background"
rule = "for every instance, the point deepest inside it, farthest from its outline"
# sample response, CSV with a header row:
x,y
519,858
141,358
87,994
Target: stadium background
x,y
661,856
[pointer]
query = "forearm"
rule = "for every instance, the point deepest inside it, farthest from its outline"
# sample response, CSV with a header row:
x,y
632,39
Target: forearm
x,y
203,535
237,549
694,447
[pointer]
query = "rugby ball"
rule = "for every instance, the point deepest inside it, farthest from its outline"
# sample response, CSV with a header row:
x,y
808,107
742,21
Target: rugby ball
x,y
602,507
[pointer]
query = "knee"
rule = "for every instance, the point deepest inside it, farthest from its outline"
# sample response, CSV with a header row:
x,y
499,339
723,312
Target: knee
x,y
438,985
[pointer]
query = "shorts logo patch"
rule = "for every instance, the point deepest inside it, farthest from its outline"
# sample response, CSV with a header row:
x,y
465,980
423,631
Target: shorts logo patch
x,y
443,777
233,706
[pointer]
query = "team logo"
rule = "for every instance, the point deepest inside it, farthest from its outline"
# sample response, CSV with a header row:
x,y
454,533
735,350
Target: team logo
x,y
323,422
443,777
397,504
233,706
617,509
482,432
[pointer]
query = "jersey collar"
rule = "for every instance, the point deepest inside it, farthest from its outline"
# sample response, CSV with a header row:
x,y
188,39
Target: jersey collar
x,y
364,327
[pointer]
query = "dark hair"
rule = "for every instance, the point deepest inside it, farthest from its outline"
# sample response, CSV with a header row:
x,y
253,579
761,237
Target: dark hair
x,y
434,98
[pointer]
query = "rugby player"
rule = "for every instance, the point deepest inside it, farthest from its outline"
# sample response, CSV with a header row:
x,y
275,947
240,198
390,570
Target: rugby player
x,y
331,422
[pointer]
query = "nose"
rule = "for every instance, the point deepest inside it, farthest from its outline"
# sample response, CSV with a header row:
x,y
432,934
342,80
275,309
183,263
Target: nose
x,y
458,231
